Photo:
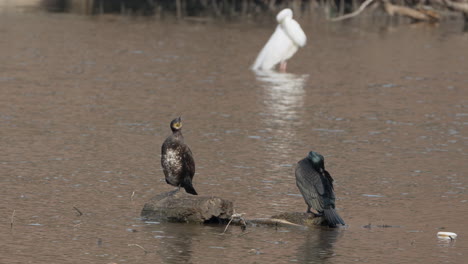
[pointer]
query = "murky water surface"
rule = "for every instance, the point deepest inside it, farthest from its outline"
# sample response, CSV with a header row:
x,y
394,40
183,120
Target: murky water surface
x,y
86,104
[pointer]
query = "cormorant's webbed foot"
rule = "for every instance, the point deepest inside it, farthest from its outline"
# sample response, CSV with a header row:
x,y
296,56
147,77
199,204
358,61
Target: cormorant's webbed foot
x,y
318,214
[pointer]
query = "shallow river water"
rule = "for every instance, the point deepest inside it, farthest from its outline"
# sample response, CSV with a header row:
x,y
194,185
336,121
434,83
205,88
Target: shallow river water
x,y
86,103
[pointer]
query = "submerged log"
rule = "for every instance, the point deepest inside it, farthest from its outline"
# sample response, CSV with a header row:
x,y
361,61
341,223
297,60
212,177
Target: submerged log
x,y
288,219
301,218
178,206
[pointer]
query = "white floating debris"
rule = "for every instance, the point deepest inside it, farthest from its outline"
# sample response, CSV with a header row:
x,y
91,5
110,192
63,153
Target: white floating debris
x,y
447,235
373,195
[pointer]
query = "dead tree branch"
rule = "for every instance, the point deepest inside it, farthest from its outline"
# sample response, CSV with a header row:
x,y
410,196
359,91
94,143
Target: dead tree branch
x,y
461,7
408,12
353,14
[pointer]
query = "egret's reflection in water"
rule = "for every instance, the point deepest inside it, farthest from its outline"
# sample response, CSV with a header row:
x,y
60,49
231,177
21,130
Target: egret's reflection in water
x,y
284,94
283,101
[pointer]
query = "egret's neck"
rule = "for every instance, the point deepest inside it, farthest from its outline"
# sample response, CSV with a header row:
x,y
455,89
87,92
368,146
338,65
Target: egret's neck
x,y
286,20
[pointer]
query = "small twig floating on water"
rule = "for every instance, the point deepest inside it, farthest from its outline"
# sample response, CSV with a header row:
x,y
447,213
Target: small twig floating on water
x,y
12,219
78,210
136,245
131,197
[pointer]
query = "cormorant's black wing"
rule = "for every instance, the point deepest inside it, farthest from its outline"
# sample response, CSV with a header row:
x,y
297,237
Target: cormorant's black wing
x,y
309,182
189,170
189,163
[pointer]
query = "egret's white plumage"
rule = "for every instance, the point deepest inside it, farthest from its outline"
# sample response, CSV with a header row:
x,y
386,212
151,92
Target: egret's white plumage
x,y
282,45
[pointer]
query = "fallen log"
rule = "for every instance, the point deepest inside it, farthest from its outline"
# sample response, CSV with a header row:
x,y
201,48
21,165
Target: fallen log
x,y
180,207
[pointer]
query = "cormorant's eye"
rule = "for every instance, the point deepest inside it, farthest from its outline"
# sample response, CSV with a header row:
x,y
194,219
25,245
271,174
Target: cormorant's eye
x,y
177,125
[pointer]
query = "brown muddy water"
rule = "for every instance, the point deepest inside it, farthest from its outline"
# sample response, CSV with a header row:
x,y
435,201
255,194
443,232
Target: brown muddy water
x,y
86,104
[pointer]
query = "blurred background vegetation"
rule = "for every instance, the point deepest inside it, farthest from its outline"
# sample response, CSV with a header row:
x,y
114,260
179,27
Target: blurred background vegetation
x,y
414,10
180,8
431,11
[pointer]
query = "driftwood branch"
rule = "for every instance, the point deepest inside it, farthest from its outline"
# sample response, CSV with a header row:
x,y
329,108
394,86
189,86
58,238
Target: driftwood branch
x,y
266,222
457,6
353,14
409,12
391,10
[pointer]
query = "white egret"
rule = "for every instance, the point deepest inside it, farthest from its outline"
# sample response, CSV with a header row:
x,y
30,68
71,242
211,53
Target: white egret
x,y
282,45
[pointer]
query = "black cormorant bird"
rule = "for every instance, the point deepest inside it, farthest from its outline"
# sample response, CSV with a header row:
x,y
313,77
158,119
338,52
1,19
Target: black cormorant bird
x,y
177,160
316,186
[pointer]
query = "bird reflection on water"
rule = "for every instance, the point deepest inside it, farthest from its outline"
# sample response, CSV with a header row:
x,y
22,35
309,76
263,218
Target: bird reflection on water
x,y
318,245
283,100
284,94
175,241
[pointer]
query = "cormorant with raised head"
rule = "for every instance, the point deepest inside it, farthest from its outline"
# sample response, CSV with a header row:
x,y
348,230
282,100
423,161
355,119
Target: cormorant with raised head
x,y
316,186
177,160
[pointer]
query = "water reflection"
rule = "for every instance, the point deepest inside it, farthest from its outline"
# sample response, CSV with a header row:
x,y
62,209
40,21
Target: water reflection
x,y
446,242
318,245
283,101
175,242
284,94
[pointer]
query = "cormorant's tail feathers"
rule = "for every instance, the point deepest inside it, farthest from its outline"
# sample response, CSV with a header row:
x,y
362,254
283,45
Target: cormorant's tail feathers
x,y
187,184
190,189
332,218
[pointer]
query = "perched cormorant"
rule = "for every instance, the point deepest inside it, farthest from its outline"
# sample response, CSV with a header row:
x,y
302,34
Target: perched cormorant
x,y
177,160
316,186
